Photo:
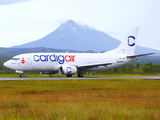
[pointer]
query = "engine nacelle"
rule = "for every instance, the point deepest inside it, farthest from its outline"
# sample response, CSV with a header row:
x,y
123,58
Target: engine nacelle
x,y
68,70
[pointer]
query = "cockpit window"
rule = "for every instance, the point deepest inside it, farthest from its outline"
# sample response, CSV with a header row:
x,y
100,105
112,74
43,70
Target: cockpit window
x,y
15,59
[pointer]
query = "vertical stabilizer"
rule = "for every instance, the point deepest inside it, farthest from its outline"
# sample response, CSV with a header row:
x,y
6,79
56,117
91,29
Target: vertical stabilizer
x,y
128,44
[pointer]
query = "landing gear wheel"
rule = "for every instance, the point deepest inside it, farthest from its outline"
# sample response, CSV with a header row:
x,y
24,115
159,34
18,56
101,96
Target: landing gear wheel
x,y
69,75
21,75
80,74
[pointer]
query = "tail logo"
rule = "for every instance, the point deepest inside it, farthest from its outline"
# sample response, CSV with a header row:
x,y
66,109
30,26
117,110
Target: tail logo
x,y
131,41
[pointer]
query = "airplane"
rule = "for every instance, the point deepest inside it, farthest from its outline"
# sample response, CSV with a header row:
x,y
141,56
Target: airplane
x,y
75,63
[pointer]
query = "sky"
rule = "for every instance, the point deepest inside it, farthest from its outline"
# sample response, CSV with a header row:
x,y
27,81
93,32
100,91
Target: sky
x,y
23,21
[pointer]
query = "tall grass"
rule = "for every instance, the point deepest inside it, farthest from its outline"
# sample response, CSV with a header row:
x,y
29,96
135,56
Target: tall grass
x,y
81,100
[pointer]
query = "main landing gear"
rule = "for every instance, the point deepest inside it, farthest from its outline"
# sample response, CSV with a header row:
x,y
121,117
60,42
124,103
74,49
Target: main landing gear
x,y
69,75
79,75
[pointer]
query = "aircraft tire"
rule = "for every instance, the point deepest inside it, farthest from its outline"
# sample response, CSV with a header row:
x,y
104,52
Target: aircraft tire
x,y
69,75
21,75
80,74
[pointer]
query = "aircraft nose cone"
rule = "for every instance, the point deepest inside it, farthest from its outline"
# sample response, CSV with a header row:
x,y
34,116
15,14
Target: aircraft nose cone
x,y
6,64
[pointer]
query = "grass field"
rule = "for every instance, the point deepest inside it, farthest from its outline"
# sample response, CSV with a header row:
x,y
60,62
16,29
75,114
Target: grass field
x,y
80,99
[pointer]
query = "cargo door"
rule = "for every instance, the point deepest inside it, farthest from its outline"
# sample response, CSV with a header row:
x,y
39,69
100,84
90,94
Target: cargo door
x,y
29,60
29,63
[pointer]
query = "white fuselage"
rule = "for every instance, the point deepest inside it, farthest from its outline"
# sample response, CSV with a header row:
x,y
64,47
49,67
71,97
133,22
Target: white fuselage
x,y
51,62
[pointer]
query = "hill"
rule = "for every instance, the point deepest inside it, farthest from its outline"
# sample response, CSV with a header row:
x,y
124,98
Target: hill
x,y
15,51
73,36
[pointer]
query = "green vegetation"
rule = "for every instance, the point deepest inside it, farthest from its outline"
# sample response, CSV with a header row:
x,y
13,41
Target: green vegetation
x,y
80,99
137,68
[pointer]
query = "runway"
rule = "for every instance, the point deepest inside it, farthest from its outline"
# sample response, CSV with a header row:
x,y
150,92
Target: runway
x,y
76,78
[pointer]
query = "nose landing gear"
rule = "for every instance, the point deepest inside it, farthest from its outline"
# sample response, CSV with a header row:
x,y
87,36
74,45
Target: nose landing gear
x,y
21,75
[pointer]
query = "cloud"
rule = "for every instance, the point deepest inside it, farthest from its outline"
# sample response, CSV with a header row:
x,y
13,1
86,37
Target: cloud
x,y
8,2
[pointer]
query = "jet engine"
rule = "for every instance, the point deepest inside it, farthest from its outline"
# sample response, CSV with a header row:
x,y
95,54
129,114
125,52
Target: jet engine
x,y
68,69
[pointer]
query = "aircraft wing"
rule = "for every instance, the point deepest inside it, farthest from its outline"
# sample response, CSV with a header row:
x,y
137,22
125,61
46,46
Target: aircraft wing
x,y
133,56
87,66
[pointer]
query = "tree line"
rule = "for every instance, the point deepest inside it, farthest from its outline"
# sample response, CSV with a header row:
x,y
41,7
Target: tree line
x,y
148,68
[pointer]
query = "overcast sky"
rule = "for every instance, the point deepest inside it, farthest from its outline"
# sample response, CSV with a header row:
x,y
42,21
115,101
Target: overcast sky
x,y
22,21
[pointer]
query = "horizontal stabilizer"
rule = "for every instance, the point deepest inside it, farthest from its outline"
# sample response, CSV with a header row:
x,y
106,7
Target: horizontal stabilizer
x,y
133,56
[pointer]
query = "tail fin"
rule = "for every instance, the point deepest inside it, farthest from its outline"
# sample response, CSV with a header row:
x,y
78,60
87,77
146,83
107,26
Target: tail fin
x,y
128,44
